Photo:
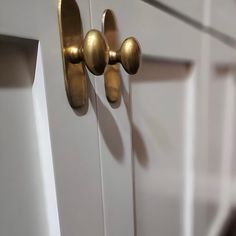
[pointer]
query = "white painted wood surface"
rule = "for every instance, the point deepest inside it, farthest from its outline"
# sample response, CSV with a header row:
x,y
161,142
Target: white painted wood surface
x,y
31,141
162,107
163,111
22,202
193,10
155,165
223,16
173,100
213,175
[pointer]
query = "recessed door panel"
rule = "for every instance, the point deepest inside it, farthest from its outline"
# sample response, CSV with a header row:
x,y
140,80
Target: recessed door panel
x,y
160,114
22,201
71,174
156,113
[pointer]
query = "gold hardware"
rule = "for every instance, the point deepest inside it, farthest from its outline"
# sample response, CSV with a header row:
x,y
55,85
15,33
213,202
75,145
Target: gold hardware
x,y
71,33
112,75
94,52
128,55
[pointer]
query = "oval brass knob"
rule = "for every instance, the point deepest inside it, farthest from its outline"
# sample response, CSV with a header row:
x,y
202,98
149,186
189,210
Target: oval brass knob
x,y
96,54
128,55
95,51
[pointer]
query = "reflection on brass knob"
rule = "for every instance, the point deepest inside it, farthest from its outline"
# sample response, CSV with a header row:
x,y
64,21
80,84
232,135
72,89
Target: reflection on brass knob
x,y
71,33
96,54
95,51
128,55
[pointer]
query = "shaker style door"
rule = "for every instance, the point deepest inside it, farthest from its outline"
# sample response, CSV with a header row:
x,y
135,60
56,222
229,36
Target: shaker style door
x,y
49,153
151,151
153,146
214,205
163,144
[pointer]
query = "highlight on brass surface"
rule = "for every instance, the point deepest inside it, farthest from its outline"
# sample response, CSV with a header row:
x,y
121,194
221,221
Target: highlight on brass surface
x,y
94,52
128,55
71,33
112,75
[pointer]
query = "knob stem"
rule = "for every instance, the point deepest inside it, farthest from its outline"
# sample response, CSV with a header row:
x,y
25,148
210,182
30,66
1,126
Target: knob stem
x,y
74,54
114,57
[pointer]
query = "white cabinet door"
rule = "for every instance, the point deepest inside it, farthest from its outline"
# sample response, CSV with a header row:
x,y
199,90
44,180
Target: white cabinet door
x,y
178,123
49,155
214,174
222,17
159,105
149,166
191,10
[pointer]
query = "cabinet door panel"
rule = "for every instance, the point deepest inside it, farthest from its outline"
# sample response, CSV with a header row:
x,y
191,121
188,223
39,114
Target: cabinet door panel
x,y
177,148
223,16
161,101
213,175
160,97
21,178
64,144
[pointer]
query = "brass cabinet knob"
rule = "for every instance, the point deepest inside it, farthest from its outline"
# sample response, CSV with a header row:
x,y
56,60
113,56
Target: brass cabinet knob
x,y
128,55
95,53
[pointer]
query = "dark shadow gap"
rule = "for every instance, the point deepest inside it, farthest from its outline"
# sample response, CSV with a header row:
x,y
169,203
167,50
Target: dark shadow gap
x,y
16,55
